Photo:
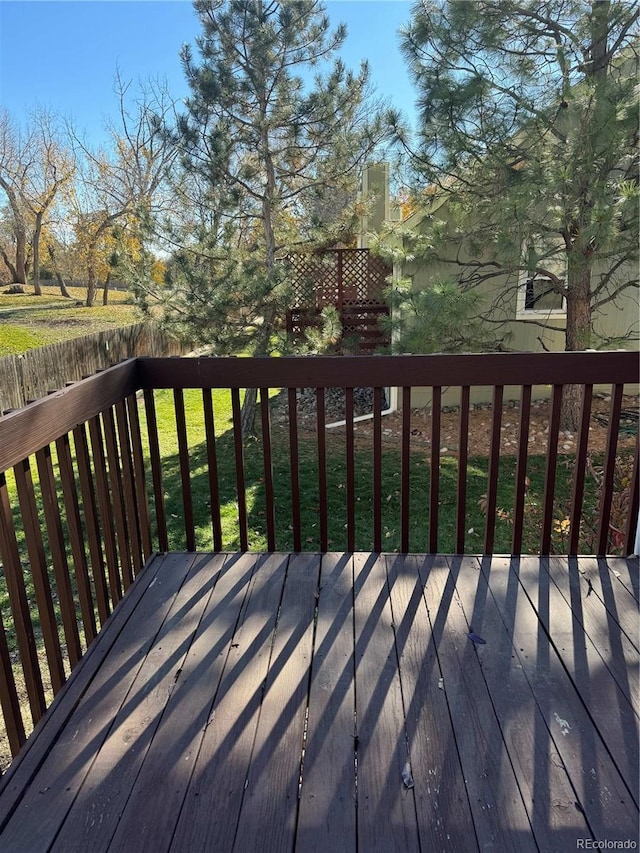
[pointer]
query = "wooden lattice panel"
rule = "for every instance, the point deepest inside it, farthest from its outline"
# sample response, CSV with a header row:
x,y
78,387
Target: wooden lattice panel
x,y
363,277
331,276
314,280
352,280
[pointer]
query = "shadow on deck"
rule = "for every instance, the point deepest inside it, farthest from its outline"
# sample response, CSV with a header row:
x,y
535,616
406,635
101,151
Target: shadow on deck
x,y
283,702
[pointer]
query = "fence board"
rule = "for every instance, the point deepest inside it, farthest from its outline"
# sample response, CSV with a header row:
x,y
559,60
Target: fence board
x,y
33,374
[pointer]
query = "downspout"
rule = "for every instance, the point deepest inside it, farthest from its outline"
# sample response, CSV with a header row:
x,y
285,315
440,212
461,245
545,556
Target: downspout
x,y
392,395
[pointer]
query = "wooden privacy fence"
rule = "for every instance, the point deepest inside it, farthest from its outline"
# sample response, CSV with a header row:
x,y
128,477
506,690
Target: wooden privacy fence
x,y
35,373
84,486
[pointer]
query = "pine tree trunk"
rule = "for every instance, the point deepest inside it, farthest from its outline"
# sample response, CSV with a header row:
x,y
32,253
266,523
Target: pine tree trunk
x,y
248,412
578,337
580,262
262,344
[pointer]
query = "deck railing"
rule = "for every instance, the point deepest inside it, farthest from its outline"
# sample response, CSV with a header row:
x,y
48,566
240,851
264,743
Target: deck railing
x,y
91,484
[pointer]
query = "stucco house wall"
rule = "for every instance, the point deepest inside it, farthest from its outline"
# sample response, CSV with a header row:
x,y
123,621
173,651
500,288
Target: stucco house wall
x,y
614,320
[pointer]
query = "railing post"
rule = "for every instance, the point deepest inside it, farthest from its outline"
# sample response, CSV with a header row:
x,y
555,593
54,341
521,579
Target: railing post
x,y
632,537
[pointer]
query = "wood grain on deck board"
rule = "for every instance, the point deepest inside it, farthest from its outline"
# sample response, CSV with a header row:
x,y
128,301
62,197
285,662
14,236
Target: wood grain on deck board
x,y
600,695
444,817
169,763
497,808
269,803
386,809
42,811
626,571
25,766
107,786
209,816
490,601
600,583
327,815
606,643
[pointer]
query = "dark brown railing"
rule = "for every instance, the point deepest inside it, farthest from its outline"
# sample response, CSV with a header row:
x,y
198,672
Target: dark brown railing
x,y
85,483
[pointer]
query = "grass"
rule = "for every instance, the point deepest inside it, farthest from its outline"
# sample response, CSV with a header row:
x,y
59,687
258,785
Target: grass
x,y
477,474
28,321
17,339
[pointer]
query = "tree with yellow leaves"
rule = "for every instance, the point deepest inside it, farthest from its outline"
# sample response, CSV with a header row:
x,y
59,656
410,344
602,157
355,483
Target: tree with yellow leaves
x,y
121,184
35,166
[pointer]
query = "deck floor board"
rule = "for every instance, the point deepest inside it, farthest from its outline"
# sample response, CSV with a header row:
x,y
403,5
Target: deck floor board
x,y
602,583
503,616
579,697
108,784
167,769
327,815
382,742
496,803
271,702
607,642
48,800
444,817
210,812
268,816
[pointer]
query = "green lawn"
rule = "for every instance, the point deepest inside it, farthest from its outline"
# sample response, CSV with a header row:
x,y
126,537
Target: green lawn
x,y
336,488
28,321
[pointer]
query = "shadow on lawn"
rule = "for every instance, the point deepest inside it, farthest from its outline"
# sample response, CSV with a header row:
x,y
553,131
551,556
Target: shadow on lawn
x,y
254,477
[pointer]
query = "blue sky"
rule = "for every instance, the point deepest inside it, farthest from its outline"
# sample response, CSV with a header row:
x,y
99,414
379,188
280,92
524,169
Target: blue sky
x,y
64,55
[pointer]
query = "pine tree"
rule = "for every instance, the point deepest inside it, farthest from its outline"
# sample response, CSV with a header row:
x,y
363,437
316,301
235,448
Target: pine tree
x,y
529,133
262,142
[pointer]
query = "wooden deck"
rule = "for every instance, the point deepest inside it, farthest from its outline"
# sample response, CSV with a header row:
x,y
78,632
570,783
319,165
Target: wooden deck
x,y
273,702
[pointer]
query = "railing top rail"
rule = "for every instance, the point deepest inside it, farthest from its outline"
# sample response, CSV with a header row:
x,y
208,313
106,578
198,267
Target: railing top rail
x,y
392,370
26,430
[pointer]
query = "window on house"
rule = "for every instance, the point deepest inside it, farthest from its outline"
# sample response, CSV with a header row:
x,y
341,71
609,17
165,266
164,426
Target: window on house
x,y
545,270
540,295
